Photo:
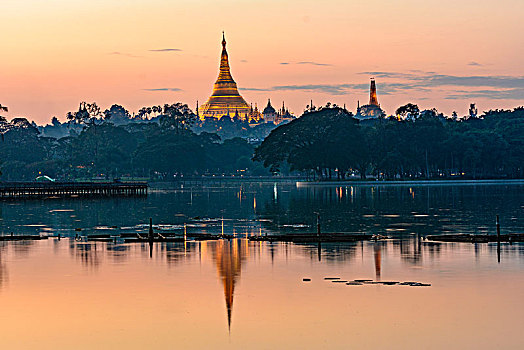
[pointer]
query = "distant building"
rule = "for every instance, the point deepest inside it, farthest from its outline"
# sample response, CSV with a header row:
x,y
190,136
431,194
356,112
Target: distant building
x,y
284,115
254,115
269,113
371,110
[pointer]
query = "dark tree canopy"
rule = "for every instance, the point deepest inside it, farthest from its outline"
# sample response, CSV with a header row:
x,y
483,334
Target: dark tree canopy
x,y
323,143
177,116
316,142
408,110
328,142
88,114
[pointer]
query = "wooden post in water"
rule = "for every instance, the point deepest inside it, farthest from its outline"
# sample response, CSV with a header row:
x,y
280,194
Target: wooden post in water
x,y
151,237
498,228
498,239
151,234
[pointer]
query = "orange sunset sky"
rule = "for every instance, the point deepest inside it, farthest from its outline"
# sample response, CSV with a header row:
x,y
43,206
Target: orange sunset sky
x,y
436,53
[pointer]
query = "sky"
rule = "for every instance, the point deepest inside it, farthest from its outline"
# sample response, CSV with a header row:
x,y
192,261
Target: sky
x,y
436,53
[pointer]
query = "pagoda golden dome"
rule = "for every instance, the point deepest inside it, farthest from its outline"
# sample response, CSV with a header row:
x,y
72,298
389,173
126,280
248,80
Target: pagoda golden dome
x,y
225,99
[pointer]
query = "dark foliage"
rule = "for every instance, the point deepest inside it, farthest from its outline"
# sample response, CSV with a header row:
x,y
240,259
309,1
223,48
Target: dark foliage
x,y
103,149
331,141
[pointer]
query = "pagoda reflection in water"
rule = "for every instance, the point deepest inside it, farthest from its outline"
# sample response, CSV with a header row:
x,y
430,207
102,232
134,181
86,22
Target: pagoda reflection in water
x,y
229,256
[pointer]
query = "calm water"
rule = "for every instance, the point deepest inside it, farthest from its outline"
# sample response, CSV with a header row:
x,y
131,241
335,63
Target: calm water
x,y
240,294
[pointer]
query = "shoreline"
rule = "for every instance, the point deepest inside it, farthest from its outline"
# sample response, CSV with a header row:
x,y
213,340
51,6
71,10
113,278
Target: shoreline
x,y
304,183
412,182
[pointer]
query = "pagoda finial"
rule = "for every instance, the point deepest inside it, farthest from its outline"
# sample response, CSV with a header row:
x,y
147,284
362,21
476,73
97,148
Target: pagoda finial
x,y
223,40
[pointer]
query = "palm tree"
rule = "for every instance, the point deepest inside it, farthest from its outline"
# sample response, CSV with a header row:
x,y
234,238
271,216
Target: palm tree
x,y
3,108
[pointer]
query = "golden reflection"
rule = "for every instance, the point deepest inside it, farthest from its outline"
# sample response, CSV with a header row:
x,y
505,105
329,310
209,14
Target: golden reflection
x,y
229,256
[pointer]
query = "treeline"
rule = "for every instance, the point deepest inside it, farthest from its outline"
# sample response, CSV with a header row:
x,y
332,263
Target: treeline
x,y
225,127
156,150
331,143
326,143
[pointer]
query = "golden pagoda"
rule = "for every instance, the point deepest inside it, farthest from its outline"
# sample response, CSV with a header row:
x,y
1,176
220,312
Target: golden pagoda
x,y
225,99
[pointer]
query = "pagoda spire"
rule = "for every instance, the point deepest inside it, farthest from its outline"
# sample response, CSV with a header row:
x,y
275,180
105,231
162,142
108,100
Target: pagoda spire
x,y
373,100
225,97
224,76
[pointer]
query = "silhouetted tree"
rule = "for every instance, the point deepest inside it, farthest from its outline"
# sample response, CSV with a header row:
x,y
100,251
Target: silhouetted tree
x,y
177,116
408,111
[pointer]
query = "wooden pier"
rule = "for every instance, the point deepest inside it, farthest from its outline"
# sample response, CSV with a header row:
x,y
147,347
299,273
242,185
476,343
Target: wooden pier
x,y
10,190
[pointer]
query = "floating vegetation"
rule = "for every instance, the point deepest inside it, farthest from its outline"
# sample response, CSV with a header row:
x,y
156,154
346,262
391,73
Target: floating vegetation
x,y
360,282
295,225
415,284
104,228
168,227
378,237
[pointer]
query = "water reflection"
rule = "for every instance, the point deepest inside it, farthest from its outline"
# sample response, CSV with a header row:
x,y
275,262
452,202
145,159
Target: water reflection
x,y
280,207
88,254
228,256
203,284
378,259
3,269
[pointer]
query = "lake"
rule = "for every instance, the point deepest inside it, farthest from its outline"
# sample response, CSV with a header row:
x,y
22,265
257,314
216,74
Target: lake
x,y
238,294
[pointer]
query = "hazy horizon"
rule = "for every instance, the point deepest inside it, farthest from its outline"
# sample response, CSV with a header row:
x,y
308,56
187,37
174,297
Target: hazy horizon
x,y
439,54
